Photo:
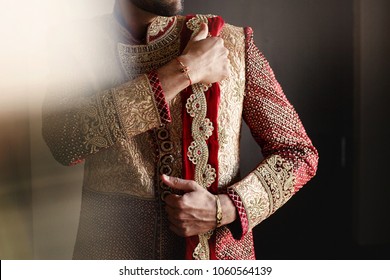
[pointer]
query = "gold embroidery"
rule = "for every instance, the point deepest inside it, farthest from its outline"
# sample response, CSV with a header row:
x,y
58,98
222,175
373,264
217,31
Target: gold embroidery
x,y
255,199
136,104
139,59
266,189
198,154
95,122
169,162
159,25
132,179
132,162
175,132
201,130
194,153
229,117
202,250
166,159
278,175
196,104
129,166
194,23
107,105
93,126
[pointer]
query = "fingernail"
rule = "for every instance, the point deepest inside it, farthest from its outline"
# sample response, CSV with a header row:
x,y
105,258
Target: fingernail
x,y
165,177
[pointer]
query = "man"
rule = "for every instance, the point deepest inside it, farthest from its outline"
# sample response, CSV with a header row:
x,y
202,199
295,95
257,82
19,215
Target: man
x,y
153,104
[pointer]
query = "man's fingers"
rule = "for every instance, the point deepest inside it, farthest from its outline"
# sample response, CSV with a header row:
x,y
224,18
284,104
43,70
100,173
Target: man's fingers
x,y
202,34
179,184
173,200
179,231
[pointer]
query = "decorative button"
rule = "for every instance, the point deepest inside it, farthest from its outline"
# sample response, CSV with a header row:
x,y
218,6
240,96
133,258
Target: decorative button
x,y
165,169
167,146
167,159
164,194
162,134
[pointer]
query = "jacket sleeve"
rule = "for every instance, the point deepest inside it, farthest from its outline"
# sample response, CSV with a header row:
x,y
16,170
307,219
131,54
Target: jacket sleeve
x,y
78,120
290,159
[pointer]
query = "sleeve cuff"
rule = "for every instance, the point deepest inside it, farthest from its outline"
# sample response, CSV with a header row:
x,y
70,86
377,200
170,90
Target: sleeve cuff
x,y
240,227
161,103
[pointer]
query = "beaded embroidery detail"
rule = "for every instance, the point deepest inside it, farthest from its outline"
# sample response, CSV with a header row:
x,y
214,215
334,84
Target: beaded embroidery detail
x,y
194,23
202,128
159,25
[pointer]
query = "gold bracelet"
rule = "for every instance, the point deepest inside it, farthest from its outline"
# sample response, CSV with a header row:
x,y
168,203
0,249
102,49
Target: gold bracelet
x,y
185,70
219,211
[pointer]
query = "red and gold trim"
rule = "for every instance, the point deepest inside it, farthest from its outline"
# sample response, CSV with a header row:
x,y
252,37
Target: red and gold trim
x,y
159,97
290,158
200,144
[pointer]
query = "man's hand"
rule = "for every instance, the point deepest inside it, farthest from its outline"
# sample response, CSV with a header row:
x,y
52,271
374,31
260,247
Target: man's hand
x,y
192,213
195,211
207,61
206,57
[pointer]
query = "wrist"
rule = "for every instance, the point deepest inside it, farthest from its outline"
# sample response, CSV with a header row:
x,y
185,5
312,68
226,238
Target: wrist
x,y
189,61
185,70
172,79
229,213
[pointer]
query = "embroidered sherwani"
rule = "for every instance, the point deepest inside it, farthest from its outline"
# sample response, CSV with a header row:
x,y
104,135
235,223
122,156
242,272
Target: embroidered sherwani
x,y
106,107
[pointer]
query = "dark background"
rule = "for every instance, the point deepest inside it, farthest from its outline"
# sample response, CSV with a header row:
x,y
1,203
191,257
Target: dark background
x,y
332,60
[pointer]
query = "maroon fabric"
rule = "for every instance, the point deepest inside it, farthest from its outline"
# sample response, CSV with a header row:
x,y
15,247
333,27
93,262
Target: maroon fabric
x,y
215,25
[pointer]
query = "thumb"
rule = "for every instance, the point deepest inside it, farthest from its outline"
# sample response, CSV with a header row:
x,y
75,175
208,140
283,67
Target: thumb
x,y
202,33
179,184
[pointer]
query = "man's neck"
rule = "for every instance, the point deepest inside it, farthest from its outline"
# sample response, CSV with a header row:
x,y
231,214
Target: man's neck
x,y
134,19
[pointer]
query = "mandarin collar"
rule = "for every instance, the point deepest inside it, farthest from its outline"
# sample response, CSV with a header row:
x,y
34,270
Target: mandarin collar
x,y
157,29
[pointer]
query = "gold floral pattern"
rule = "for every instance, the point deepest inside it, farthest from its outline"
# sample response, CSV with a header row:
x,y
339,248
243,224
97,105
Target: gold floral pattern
x,y
202,250
266,189
255,199
99,121
194,23
230,112
159,25
136,104
277,174
201,130
135,180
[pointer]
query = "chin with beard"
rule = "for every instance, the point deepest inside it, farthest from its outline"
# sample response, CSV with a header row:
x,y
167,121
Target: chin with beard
x,y
165,8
